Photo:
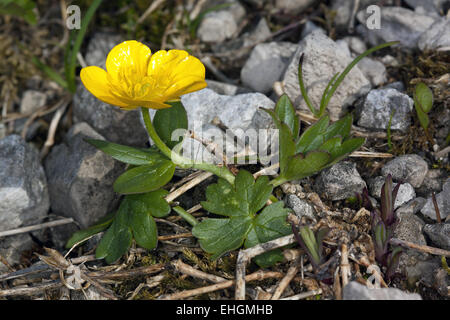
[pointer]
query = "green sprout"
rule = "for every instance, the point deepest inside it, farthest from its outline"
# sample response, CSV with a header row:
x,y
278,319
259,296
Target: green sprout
x,y
423,102
335,81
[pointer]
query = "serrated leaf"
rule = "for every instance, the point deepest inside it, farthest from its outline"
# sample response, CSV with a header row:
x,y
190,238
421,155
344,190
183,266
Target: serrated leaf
x,y
127,154
269,224
300,167
98,227
240,203
218,236
313,137
424,97
286,113
145,178
166,121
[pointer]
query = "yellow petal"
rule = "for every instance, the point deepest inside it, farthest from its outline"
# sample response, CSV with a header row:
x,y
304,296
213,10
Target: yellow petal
x,y
129,58
96,82
185,86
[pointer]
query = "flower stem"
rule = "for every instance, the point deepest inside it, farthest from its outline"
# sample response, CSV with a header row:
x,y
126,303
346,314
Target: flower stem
x,y
185,215
183,162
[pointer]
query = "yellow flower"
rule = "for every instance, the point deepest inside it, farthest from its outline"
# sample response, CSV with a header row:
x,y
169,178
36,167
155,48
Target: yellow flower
x,y
136,78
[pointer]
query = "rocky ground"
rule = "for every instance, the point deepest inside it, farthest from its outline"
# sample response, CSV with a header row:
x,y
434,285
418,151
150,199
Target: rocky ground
x,y
251,51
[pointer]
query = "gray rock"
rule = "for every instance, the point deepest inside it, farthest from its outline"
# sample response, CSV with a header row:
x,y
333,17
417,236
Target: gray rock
x,y
81,177
300,207
31,101
375,110
24,196
293,6
373,70
116,125
397,24
220,25
407,168
397,85
205,105
443,202
439,233
355,44
339,182
99,46
266,64
310,27
437,37
322,60
405,192
410,228
433,182
357,291
225,88
430,7
259,34
23,187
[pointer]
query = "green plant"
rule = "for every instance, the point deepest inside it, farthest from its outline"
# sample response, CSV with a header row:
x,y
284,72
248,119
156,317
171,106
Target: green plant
x,y
70,55
311,242
19,8
248,217
423,102
384,221
334,83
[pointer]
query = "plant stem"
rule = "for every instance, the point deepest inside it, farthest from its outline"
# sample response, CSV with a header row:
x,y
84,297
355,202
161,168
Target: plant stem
x,y
278,181
185,215
179,160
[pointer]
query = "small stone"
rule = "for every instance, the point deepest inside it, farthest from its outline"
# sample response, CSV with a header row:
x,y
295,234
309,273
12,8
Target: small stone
x,y
81,177
430,7
443,202
259,34
300,207
266,64
293,6
407,168
376,109
374,70
220,25
116,125
437,37
398,85
433,182
356,45
32,100
398,24
405,192
24,199
439,233
225,88
357,291
310,27
323,58
339,182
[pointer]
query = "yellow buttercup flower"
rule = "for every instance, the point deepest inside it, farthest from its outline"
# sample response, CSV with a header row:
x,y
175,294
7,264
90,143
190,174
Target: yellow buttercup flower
x,y
136,78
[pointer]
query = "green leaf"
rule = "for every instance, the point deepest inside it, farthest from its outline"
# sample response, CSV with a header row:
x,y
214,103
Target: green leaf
x,y
127,154
300,167
424,97
240,203
143,226
313,137
166,121
286,113
98,227
117,238
19,8
269,224
145,178
309,239
134,219
340,128
423,117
